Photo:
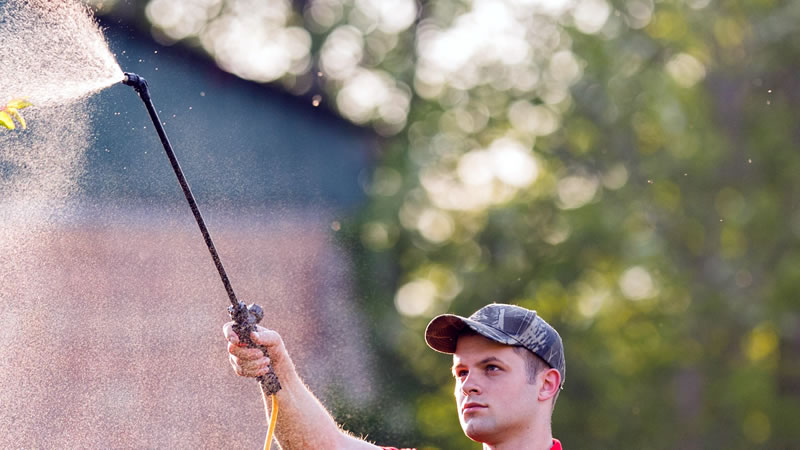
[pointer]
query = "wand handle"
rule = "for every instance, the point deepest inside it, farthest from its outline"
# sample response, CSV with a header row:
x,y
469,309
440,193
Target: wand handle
x,y
245,319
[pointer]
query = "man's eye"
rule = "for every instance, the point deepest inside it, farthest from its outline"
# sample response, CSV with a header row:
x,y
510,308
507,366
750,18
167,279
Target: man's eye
x,y
461,373
492,368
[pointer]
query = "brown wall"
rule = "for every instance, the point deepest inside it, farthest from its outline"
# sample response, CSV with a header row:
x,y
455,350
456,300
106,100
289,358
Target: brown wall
x,y
111,333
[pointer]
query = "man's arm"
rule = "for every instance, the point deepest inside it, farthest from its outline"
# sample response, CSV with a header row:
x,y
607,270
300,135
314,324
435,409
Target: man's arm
x,y
303,422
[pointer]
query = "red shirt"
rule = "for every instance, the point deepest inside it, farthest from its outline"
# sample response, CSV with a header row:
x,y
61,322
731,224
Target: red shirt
x,y
556,446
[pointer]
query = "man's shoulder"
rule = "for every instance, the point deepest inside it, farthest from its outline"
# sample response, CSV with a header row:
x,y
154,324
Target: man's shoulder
x,y
556,446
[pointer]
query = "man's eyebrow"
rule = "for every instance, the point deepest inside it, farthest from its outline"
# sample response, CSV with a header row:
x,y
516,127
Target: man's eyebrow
x,y
488,360
482,362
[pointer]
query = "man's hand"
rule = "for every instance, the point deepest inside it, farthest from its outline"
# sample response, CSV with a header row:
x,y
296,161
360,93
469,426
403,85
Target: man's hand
x,y
251,362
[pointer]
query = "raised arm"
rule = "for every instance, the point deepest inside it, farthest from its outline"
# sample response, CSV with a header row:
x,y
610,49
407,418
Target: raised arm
x,y
303,422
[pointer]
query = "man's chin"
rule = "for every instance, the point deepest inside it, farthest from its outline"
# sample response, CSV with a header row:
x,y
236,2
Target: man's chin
x,y
477,428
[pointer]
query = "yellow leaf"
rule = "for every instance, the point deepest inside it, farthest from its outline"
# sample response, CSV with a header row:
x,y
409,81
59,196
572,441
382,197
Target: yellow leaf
x,y
17,116
6,121
19,103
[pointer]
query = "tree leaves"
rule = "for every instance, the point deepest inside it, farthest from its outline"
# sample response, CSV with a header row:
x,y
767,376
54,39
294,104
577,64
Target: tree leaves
x,y
11,111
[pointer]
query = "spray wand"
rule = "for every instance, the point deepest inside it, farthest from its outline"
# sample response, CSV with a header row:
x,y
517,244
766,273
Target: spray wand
x,y
245,317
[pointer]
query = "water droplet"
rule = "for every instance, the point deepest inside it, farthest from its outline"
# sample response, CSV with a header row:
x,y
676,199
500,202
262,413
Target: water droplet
x,y
319,74
749,161
156,52
769,102
769,91
316,100
336,226
202,93
649,181
190,107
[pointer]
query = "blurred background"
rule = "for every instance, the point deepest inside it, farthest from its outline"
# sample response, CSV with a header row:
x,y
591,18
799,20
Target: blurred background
x,y
626,168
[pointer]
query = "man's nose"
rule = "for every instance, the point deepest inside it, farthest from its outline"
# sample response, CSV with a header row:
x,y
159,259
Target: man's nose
x,y
470,385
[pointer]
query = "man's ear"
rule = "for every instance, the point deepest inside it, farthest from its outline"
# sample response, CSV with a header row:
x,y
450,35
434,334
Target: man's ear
x,y
551,383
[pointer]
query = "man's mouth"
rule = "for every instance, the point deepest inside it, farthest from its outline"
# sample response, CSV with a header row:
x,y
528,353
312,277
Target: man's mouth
x,y
471,407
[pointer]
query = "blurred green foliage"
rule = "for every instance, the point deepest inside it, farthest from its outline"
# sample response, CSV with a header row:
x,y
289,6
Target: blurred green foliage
x,y
652,215
697,190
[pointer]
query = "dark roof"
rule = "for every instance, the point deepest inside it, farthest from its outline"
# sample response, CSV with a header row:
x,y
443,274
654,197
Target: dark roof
x,y
238,141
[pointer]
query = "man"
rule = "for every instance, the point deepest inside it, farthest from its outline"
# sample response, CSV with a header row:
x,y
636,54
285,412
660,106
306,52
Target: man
x,y
508,365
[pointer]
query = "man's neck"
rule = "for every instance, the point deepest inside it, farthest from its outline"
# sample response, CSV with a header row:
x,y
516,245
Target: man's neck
x,y
534,439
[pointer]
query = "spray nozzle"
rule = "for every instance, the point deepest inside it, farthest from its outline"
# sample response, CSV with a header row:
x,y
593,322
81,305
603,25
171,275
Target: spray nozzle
x,y
245,315
138,83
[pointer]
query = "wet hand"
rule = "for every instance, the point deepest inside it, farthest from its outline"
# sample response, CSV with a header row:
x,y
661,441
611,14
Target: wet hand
x,y
251,362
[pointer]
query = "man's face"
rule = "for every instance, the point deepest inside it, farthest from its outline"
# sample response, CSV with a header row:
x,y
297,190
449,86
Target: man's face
x,y
493,396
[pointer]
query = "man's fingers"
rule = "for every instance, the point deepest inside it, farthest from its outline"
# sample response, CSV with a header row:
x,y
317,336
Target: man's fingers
x,y
265,337
250,359
260,335
230,335
255,368
252,362
245,353
236,367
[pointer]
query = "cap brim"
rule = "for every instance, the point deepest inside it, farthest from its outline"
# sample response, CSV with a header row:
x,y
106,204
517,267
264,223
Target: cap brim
x,y
443,331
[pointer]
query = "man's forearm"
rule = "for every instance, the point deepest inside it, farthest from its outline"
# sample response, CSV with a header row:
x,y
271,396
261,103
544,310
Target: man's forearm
x,y
304,423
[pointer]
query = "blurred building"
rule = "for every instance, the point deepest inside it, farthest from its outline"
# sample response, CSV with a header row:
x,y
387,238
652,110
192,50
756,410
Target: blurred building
x,y
112,314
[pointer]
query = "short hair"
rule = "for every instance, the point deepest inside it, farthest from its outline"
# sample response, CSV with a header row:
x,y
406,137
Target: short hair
x,y
533,363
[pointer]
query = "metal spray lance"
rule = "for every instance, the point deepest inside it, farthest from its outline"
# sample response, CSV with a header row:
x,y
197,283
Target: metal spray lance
x,y
245,317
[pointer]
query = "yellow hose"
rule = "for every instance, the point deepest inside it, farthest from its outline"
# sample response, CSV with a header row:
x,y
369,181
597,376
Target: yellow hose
x,y
273,419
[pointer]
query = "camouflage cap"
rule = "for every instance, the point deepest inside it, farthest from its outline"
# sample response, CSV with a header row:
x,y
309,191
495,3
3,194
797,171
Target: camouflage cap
x,y
506,324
